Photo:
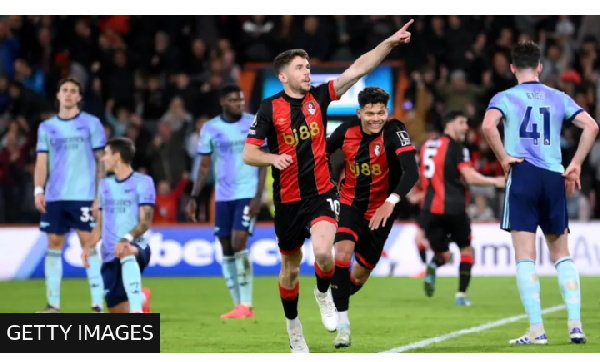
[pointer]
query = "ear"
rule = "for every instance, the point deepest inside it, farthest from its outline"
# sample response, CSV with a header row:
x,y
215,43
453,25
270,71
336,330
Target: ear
x,y
513,70
359,112
282,77
539,68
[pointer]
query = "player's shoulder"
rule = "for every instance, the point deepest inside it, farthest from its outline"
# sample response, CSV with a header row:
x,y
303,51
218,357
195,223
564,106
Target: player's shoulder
x,y
345,126
394,123
142,178
88,116
48,122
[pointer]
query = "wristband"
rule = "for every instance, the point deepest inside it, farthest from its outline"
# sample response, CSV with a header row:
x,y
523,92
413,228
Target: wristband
x,y
393,199
129,237
38,190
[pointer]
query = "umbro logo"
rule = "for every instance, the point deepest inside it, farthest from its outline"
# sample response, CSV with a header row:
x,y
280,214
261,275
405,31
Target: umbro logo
x,y
44,224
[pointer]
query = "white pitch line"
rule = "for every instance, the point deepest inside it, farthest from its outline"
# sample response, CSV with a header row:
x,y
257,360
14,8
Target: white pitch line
x,y
455,334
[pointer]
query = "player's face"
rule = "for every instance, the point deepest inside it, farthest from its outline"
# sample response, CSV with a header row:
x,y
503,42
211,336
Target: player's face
x,y
373,117
68,96
297,75
461,127
233,103
109,159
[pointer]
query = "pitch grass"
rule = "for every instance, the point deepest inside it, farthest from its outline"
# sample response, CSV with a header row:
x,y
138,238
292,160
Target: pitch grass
x,y
386,313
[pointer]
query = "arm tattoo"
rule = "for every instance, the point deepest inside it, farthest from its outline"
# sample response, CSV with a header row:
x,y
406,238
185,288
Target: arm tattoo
x,y
145,223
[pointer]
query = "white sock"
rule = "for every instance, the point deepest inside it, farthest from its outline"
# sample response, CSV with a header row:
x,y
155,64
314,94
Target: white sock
x,y
460,295
319,293
536,330
343,318
293,324
575,323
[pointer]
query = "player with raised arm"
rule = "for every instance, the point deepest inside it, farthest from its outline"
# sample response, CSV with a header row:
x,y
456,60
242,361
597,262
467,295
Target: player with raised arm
x,y
126,202
535,191
306,200
446,173
239,188
67,175
380,169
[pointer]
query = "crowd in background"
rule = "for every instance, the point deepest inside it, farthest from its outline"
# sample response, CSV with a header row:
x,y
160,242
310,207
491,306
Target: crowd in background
x,y
156,80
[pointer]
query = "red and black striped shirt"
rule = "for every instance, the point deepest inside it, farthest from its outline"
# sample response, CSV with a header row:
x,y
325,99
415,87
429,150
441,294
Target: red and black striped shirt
x,y
372,166
296,127
445,191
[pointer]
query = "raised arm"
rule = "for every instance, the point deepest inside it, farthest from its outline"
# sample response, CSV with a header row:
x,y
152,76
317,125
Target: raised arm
x,y
370,60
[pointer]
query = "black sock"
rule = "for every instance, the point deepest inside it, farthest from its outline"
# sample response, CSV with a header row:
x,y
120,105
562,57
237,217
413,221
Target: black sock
x,y
423,255
289,299
340,285
438,260
323,278
464,269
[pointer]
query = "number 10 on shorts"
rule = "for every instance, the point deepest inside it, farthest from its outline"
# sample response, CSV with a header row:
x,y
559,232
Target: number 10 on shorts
x,y
335,206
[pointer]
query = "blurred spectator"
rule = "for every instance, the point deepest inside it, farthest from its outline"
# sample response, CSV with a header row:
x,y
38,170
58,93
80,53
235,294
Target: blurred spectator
x,y
120,123
31,78
13,159
177,116
313,38
167,201
120,83
9,50
257,37
480,211
167,155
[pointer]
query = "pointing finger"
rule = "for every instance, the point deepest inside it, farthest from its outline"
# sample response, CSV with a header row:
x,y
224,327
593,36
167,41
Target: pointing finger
x,y
407,24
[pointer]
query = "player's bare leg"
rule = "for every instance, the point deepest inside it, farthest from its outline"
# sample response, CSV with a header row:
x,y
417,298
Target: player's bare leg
x,y
421,244
323,235
529,287
464,269
568,281
340,289
289,288
229,271
53,271
243,268
438,260
93,273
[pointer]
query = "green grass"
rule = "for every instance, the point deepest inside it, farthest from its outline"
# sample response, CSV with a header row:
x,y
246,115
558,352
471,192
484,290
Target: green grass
x,y
386,313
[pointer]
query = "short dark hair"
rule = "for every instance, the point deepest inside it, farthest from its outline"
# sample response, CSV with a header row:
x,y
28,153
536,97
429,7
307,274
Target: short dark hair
x,y
451,115
124,147
285,58
526,55
229,88
69,80
372,95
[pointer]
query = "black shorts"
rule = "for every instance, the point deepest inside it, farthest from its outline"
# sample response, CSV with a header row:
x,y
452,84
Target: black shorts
x,y
368,243
113,278
293,220
441,229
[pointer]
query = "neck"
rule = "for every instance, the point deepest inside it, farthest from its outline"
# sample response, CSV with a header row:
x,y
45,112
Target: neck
x,y
231,117
450,134
67,113
526,76
292,93
122,171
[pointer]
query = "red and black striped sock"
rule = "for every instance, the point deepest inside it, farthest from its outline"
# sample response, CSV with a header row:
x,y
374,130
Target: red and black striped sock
x,y
464,269
289,299
340,285
323,278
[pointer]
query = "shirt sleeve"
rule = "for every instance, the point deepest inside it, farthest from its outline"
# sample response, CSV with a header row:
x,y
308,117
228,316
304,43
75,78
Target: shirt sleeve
x,y
146,192
205,145
325,93
42,140
259,129
98,136
401,138
572,109
462,156
336,139
498,103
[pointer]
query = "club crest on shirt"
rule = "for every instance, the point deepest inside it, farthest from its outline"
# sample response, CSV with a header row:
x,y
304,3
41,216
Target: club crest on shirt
x,y
310,107
377,149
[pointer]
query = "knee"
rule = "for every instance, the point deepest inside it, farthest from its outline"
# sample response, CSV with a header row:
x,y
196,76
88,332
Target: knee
x,y
323,255
290,271
55,241
467,251
343,252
